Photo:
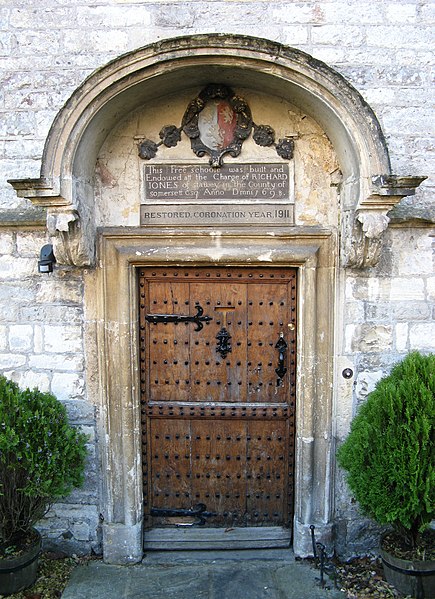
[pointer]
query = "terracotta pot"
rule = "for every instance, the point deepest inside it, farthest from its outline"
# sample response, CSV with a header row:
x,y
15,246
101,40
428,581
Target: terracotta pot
x,y
410,577
18,573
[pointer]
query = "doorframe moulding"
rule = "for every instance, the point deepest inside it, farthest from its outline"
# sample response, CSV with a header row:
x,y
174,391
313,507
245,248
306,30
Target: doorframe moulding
x,y
112,327
368,190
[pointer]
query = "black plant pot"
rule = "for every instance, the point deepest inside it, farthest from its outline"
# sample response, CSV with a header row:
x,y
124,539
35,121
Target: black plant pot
x,y
414,578
18,573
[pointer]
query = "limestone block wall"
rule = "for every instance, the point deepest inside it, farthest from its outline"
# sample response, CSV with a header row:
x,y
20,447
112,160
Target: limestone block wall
x,y
47,48
384,48
41,345
388,311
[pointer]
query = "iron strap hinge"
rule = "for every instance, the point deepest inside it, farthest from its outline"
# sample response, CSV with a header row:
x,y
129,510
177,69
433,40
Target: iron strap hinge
x,y
198,318
198,511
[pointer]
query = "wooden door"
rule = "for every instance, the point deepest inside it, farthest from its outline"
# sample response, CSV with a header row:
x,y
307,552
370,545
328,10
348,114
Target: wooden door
x,y
218,393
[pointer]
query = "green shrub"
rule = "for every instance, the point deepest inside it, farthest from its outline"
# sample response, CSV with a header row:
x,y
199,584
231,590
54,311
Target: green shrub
x,y
389,453
42,458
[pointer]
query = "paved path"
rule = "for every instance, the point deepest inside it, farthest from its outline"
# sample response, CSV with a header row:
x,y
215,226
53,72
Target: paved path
x,y
271,574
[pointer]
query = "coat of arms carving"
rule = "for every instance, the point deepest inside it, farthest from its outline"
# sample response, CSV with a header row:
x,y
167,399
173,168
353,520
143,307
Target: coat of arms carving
x,y
217,123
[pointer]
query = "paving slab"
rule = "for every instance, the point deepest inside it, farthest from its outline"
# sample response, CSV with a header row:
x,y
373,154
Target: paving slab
x,y
202,575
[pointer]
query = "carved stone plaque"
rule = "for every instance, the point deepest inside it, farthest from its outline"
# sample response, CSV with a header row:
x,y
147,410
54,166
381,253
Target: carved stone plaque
x,y
184,194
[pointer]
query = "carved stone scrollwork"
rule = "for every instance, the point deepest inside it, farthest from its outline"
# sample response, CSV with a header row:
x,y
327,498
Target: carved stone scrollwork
x,y
73,243
71,226
363,238
363,229
217,122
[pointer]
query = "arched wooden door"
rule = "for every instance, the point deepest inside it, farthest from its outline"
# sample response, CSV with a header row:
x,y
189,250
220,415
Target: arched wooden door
x,y
217,357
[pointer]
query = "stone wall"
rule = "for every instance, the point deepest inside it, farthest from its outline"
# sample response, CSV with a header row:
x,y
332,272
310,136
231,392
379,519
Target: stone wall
x,y
47,48
41,345
389,311
384,48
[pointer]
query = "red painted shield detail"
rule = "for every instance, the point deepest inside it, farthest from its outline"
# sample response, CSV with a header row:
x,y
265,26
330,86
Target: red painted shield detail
x,y
216,123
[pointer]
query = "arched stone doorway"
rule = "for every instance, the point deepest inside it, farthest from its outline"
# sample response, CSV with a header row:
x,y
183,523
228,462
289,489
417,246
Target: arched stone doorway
x,y
70,187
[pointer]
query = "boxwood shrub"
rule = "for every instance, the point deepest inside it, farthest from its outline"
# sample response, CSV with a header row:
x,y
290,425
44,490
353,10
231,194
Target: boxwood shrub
x,y
42,457
389,452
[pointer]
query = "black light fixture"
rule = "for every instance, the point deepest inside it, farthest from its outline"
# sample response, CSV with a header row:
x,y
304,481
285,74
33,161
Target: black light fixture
x,y
46,259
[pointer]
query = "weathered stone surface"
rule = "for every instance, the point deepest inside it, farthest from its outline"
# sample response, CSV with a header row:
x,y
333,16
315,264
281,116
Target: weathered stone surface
x,y
50,314
368,338
80,412
63,522
20,337
7,243
383,48
3,338
16,267
67,386
29,243
411,288
31,379
67,291
62,339
402,332
421,336
8,361
50,361
366,382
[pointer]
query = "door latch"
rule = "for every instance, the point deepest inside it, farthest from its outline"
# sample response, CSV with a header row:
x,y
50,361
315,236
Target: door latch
x,y
281,346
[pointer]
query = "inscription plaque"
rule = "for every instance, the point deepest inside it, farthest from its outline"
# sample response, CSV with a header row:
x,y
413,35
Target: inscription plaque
x,y
188,194
211,214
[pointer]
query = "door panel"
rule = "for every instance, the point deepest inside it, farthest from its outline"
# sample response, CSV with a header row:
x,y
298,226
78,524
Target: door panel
x,y
218,421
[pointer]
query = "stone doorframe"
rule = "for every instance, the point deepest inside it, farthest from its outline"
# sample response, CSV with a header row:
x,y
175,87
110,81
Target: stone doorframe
x,y
113,329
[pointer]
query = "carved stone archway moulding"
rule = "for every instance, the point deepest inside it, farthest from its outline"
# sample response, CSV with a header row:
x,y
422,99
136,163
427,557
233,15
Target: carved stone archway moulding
x,y
368,189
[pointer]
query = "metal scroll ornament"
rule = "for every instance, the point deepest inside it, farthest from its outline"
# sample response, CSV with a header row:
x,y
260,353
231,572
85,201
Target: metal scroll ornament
x,y
223,342
217,122
197,319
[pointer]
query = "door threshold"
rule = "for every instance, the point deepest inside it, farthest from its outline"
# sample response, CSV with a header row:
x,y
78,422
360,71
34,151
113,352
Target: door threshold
x,y
194,538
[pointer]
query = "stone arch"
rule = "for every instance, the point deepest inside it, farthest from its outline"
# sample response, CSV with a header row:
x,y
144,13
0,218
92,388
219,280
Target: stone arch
x,y
65,187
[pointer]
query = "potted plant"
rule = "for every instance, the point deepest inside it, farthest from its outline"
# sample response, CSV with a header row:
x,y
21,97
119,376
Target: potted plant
x,y
389,457
42,458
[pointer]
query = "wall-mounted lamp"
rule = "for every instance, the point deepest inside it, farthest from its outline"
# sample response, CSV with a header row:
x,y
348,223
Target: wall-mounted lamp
x,y
46,259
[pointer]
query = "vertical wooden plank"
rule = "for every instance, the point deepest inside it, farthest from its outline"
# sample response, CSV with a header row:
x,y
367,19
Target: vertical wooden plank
x,y
219,468
217,378
241,468
171,463
266,472
268,316
169,363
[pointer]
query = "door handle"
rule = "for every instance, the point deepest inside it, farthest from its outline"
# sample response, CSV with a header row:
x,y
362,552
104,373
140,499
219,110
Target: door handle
x,y
281,346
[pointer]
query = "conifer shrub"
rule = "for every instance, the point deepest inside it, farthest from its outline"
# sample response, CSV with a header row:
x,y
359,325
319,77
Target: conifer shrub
x,y
42,458
389,452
